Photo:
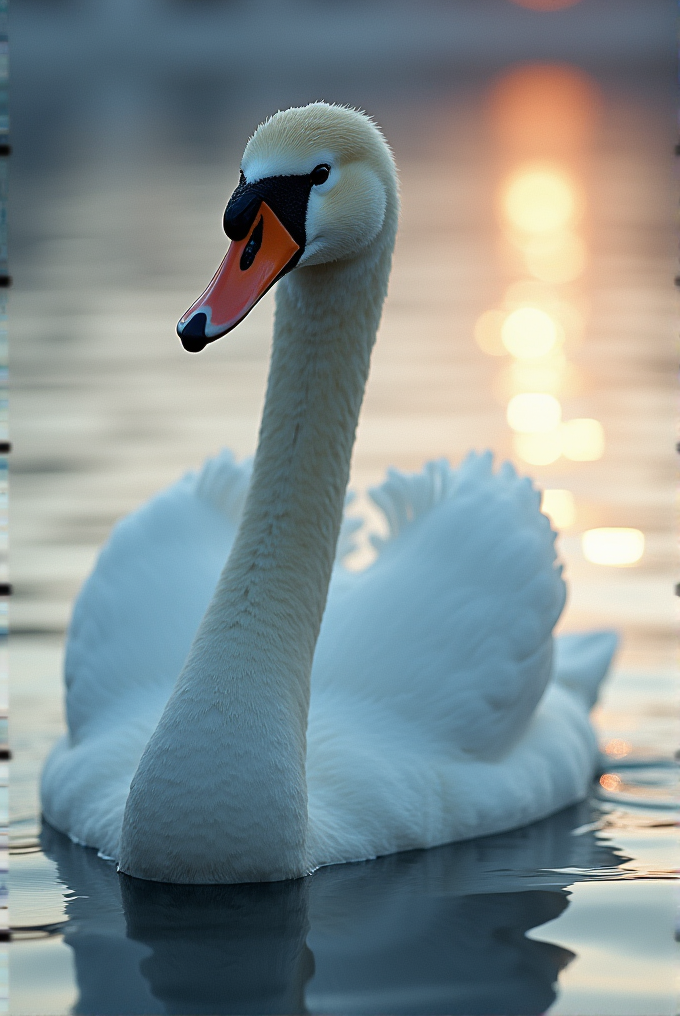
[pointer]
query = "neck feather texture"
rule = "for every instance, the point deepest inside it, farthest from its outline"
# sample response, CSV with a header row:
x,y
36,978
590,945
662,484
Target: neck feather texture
x,y
220,793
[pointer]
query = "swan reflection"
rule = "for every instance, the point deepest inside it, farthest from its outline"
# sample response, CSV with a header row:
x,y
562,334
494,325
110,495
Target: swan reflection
x,y
432,931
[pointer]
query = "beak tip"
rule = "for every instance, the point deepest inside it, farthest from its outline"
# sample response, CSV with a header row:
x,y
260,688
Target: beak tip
x,y
192,333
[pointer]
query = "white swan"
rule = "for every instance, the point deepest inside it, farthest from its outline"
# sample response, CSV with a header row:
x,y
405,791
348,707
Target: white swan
x,y
433,716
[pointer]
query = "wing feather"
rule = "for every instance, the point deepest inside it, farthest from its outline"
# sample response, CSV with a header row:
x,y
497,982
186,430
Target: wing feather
x,y
453,622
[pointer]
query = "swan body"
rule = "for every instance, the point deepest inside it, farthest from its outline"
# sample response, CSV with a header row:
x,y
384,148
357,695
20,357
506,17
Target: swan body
x,y
256,720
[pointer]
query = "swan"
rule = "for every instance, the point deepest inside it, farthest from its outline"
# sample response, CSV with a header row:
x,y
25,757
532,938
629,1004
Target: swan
x,y
256,720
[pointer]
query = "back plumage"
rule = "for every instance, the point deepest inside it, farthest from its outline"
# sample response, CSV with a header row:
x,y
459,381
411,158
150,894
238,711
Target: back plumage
x,y
429,720
452,624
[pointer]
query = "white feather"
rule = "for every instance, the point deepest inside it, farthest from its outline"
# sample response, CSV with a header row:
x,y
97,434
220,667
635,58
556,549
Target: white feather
x,y
425,671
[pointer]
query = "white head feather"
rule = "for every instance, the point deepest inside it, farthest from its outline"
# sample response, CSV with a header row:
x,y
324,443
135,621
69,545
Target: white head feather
x,y
346,213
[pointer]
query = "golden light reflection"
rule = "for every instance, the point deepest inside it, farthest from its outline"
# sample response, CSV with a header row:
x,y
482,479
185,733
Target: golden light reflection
x,y
617,748
541,205
560,508
528,333
488,332
538,449
533,293
539,200
583,440
544,117
555,259
616,547
610,781
534,413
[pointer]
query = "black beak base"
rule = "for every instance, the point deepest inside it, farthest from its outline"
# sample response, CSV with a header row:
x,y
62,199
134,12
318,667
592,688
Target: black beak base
x,y
287,196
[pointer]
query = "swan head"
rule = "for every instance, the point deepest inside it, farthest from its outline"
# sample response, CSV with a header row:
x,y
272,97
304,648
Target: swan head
x,y
315,185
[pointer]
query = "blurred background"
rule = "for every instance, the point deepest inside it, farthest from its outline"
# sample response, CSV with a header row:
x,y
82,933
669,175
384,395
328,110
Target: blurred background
x,y
531,310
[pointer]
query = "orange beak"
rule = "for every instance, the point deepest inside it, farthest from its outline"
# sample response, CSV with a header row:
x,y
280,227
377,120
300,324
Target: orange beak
x,y
250,268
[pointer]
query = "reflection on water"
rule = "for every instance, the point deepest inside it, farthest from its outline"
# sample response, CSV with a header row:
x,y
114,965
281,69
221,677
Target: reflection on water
x,y
444,930
455,929
424,932
546,114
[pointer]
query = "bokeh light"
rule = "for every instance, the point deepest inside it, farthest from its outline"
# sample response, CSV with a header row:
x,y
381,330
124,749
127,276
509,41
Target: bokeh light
x,y
488,332
544,117
538,449
528,333
544,110
559,506
610,781
539,200
534,413
534,293
583,440
615,547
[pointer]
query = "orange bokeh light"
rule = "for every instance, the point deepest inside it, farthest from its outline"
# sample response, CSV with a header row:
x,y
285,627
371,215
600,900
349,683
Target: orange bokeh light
x,y
544,110
529,333
610,781
617,748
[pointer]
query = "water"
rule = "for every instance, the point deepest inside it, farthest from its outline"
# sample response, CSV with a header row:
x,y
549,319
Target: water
x,y
432,931
125,168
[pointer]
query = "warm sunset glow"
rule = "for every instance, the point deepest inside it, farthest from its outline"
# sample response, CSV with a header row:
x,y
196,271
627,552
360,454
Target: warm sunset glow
x,y
582,440
544,117
556,259
528,333
559,506
614,547
488,332
539,200
540,111
610,781
538,449
534,413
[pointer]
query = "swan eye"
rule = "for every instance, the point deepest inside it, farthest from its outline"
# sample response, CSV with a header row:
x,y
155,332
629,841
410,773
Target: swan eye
x,y
320,174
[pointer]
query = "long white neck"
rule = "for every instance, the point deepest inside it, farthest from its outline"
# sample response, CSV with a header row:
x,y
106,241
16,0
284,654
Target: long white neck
x,y
220,793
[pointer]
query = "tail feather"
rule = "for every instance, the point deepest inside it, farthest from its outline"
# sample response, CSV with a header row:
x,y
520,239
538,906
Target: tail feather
x,y
582,661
